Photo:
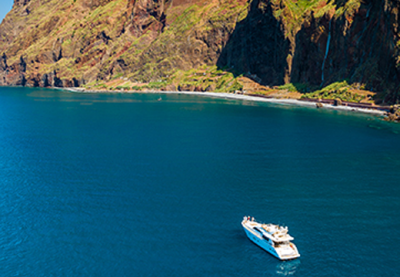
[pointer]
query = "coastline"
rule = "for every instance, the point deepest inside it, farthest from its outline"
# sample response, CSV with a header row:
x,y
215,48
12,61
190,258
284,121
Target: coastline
x,y
244,97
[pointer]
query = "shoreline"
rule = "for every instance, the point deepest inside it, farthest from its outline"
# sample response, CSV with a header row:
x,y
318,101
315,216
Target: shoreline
x,y
244,97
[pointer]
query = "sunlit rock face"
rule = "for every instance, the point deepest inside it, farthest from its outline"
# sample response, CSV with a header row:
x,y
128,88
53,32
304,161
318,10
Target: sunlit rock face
x,y
72,42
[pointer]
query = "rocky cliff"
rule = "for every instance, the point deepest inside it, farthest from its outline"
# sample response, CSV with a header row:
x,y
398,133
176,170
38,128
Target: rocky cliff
x,y
310,44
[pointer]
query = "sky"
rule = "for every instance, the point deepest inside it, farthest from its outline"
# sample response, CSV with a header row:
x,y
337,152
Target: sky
x,y
5,7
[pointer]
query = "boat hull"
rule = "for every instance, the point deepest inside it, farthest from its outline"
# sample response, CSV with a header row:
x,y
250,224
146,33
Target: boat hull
x,y
261,243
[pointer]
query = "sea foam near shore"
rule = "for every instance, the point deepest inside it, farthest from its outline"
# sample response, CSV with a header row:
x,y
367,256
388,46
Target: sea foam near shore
x,y
293,102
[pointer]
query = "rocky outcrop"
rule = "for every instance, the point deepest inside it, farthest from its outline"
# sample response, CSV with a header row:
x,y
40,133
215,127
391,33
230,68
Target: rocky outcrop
x,y
273,42
393,114
356,43
20,3
3,62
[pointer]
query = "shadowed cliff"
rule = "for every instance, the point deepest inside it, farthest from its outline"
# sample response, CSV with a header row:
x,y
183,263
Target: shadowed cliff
x,y
343,40
257,47
360,49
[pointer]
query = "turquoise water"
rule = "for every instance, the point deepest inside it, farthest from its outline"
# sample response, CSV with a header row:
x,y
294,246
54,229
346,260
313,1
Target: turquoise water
x,y
125,185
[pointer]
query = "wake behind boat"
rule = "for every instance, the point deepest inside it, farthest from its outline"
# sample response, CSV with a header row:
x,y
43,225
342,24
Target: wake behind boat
x,y
272,238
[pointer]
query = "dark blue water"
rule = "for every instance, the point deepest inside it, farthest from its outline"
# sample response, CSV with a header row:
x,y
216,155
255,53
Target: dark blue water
x,y
125,185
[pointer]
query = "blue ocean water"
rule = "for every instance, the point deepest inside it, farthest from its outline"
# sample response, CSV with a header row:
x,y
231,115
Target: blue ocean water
x,y
125,185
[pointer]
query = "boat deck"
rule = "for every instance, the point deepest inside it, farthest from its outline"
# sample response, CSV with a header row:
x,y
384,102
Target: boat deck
x,y
274,232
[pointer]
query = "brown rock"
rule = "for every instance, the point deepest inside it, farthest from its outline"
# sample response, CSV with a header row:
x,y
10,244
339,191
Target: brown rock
x,y
211,88
391,117
337,102
170,88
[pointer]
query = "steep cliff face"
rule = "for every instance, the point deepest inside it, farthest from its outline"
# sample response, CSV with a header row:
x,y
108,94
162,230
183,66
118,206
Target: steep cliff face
x,y
68,43
319,43
313,43
359,46
258,46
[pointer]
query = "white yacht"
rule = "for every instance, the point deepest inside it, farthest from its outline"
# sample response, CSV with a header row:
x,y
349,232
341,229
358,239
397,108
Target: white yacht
x,y
272,238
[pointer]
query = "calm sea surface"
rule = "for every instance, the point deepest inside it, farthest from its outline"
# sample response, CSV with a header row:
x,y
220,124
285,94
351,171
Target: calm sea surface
x,y
125,185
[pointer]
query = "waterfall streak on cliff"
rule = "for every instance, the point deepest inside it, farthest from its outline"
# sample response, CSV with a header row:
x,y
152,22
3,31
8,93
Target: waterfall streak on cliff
x,y
326,51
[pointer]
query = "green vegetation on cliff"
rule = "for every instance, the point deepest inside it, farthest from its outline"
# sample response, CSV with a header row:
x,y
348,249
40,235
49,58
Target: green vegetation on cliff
x,y
218,45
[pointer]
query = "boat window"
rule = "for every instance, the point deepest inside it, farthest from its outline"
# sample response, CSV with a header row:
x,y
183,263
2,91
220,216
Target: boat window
x,y
258,230
283,243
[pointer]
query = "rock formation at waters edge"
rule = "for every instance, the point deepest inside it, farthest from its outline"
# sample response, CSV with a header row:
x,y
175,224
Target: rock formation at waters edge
x,y
67,43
